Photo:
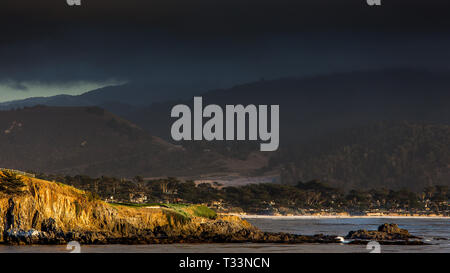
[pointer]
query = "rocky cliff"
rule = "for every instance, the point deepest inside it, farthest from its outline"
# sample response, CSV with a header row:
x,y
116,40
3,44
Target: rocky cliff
x,y
43,212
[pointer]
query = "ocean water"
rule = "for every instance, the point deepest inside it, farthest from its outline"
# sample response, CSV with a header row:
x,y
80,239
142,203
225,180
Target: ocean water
x,y
427,228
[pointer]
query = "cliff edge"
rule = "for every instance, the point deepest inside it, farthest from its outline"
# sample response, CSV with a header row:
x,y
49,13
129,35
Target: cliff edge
x,y
34,211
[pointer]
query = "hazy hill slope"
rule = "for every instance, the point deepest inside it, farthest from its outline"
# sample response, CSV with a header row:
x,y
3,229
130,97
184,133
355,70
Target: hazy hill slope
x,y
384,154
312,106
76,140
92,141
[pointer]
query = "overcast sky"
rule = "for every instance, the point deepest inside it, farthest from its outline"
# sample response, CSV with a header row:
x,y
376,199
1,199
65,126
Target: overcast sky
x,y
50,48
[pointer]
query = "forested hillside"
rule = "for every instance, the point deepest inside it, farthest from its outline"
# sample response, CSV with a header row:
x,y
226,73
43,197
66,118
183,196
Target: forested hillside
x,y
384,154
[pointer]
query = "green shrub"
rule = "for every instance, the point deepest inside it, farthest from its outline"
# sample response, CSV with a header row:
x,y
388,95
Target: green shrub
x,y
203,211
175,217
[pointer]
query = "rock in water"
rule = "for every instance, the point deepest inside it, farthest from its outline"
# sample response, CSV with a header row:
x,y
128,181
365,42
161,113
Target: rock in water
x,y
386,233
393,229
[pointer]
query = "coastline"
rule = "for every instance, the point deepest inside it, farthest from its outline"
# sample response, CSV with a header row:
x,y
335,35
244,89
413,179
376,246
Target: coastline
x,y
330,216
30,215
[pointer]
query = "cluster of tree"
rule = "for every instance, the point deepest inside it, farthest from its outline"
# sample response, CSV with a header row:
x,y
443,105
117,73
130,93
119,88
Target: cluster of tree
x,y
258,197
10,183
386,154
315,195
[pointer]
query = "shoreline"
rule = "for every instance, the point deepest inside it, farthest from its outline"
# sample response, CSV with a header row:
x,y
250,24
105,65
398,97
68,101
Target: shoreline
x,y
244,216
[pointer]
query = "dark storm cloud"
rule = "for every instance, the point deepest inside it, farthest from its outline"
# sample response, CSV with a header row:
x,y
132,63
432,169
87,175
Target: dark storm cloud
x,y
207,44
221,15
14,85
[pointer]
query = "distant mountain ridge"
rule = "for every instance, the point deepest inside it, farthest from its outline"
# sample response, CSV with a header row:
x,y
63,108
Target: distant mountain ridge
x,y
134,94
313,106
84,140
92,141
327,126
328,101
58,100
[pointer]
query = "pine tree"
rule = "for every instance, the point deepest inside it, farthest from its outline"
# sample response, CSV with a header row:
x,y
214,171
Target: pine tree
x,y
10,183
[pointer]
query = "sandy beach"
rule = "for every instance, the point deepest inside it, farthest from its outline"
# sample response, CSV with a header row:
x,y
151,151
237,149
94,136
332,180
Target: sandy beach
x,y
339,216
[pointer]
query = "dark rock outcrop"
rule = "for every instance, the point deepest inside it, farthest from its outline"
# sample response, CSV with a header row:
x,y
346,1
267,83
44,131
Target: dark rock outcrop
x,y
386,234
217,231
